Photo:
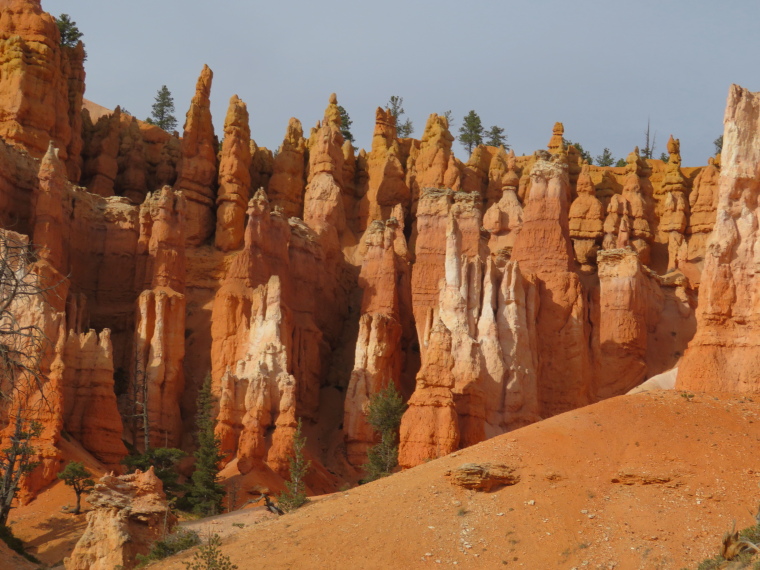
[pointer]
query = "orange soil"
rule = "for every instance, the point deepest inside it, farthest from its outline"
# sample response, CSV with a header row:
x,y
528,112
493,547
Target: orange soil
x,y
646,481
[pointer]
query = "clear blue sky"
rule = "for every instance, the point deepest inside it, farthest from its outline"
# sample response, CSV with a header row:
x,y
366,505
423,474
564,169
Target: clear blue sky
x,y
601,67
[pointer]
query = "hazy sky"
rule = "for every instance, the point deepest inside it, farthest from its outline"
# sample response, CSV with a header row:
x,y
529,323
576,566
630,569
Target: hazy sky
x,y
601,67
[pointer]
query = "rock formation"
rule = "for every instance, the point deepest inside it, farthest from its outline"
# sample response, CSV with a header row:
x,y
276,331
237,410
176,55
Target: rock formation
x,y
432,161
156,370
286,187
198,169
101,153
386,186
672,208
586,222
234,177
544,252
725,352
129,514
42,86
266,347
631,303
90,413
379,360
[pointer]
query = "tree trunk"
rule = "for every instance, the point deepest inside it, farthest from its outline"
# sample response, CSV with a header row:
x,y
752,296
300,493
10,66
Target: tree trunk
x,y
79,503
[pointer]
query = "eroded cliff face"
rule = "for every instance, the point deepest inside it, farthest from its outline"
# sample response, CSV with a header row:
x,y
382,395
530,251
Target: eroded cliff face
x,y
492,292
724,354
42,86
129,514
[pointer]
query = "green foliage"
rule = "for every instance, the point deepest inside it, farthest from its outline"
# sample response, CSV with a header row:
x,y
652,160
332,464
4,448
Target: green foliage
x,y
495,137
449,118
15,544
664,157
76,475
605,159
718,144
404,128
169,546
585,155
204,493
70,34
621,162
471,131
163,111
345,124
384,415
164,462
210,557
294,495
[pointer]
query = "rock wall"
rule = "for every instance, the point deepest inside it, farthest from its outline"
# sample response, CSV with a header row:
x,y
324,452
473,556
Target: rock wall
x,y
725,352
492,292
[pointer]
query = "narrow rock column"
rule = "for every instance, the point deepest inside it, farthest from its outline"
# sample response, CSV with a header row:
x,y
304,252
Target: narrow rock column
x,y
234,177
198,169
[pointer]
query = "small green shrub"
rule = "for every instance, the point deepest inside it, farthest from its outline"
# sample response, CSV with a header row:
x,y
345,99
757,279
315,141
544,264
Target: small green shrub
x,y
295,494
210,557
175,542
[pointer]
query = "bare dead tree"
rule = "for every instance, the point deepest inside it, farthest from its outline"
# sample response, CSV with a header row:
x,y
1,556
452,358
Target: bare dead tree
x,y
138,400
648,151
22,346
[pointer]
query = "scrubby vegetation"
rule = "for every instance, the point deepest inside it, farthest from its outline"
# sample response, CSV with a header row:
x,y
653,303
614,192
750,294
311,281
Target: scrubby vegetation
x,y
295,494
171,545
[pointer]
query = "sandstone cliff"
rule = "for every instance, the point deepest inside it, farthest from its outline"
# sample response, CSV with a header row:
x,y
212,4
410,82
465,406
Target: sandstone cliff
x,y
723,355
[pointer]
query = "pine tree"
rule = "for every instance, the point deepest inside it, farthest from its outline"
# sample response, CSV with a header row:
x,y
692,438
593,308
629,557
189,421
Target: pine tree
x,y
495,137
295,494
606,158
70,34
76,475
404,128
210,557
718,144
205,494
384,414
163,110
345,124
585,155
449,118
471,131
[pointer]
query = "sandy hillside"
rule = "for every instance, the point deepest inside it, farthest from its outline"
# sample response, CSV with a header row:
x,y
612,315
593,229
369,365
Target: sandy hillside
x,y
646,481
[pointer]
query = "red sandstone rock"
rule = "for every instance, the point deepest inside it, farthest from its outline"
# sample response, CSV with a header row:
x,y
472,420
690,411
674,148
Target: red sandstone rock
x,y
286,187
234,177
386,185
132,178
724,355
90,412
129,514
48,212
198,168
159,338
42,84
631,303
433,159
544,252
266,347
379,354
101,152
586,222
